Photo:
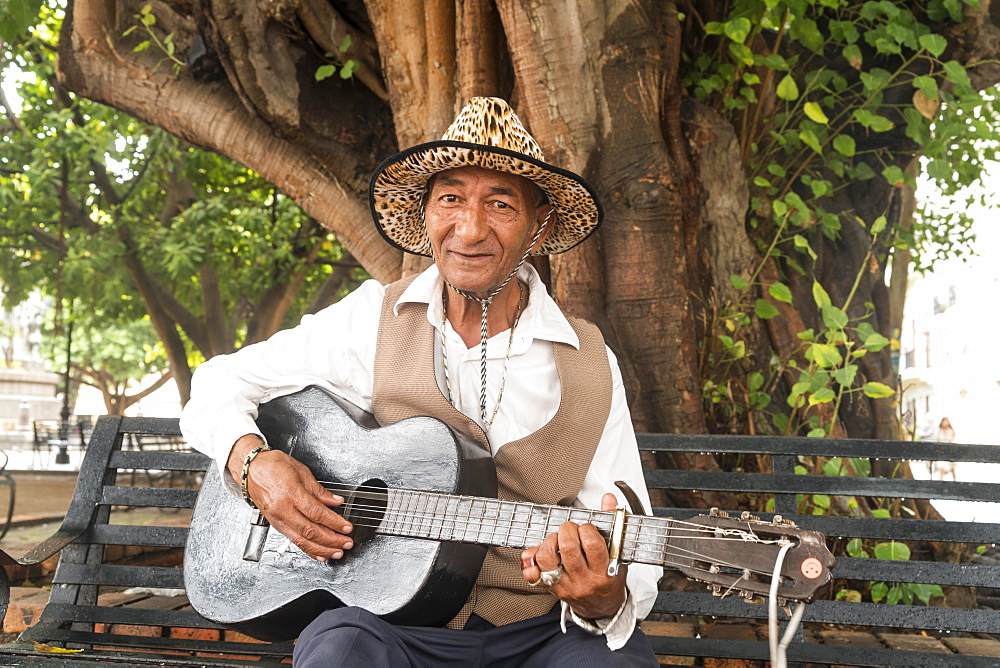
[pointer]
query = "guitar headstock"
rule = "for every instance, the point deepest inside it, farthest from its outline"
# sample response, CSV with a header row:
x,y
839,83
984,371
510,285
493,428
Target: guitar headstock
x,y
738,555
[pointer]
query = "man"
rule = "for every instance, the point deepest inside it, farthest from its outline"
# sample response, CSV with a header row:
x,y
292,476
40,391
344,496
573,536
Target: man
x,y
477,342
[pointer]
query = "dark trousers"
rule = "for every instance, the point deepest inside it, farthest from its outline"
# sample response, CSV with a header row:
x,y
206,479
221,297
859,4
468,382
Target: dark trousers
x,y
353,637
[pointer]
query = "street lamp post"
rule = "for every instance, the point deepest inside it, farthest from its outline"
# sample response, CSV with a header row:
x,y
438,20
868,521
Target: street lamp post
x,y
62,457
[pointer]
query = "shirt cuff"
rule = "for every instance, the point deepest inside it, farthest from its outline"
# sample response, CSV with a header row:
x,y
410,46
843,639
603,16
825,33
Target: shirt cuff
x,y
616,629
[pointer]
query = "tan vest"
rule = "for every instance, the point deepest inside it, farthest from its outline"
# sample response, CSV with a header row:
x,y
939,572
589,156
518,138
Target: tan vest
x,y
548,466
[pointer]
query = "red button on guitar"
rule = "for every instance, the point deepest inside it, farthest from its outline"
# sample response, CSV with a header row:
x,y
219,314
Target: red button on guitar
x,y
812,568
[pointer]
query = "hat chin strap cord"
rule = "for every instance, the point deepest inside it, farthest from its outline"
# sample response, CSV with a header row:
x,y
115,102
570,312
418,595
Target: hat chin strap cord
x,y
485,302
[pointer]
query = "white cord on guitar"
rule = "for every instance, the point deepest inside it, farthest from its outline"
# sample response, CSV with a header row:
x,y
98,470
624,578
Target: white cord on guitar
x,y
778,658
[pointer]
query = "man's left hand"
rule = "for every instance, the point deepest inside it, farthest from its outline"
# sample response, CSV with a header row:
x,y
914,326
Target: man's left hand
x,y
583,553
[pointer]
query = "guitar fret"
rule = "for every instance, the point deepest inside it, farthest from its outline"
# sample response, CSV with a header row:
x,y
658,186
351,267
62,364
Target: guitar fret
x,y
510,521
410,512
440,515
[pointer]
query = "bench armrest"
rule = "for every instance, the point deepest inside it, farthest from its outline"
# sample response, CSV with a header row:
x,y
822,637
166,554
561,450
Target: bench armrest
x,y
67,533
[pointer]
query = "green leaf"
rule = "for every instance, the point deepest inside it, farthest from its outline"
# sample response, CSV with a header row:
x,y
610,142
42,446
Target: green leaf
x,y
325,71
816,433
878,591
852,54
876,342
780,292
755,381
844,144
878,390
802,245
787,88
894,175
738,29
764,309
824,354
892,550
820,295
927,85
142,46
815,113
833,317
738,283
822,396
845,376
146,16
881,512
345,44
821,500
856,548
956,73
878,225
348,69
808,138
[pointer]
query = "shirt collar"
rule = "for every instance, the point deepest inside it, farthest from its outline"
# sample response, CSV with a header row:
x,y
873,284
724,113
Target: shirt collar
x,y
542,319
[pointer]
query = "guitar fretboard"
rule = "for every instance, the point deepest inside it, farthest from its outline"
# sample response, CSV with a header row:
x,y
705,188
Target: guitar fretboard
x,y
484,521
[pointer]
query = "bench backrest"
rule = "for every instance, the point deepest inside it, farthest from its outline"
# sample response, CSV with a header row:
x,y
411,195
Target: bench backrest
x,y
151,492
792,479
83,611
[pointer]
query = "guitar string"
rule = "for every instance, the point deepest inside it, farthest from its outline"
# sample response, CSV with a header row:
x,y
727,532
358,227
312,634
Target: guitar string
x,y
682,525
662,550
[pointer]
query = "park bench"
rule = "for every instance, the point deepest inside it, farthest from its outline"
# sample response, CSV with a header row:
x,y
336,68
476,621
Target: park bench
x,y
89,607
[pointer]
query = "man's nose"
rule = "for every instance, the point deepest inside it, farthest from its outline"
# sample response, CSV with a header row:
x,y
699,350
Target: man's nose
x,y
472,224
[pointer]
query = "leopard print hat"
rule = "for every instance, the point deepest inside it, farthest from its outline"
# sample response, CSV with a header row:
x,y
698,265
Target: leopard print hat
x,y
487,133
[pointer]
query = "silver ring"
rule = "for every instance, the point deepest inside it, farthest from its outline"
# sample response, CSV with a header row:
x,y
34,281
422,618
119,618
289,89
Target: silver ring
x,y
549,578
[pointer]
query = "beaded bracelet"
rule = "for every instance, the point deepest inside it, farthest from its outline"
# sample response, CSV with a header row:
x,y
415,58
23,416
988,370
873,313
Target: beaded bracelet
x,y
246,472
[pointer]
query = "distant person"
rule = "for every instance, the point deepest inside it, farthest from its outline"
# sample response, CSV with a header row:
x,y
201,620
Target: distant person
x,y
945,434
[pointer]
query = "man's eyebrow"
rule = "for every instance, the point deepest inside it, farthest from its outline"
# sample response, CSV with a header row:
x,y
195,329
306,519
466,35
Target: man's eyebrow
x,y
455,181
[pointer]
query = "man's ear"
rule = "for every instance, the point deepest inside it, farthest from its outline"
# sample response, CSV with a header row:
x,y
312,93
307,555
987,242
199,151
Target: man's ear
x,y
545,211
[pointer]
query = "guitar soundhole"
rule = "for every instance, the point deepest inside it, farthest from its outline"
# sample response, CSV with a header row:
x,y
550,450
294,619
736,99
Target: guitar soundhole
x,y
365,507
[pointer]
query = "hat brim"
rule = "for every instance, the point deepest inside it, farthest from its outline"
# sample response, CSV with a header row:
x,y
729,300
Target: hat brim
x,y
399,183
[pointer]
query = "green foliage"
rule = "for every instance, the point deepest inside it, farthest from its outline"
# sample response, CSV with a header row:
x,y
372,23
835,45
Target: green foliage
x,y
818,90
147,21
347,67
17,16
96,205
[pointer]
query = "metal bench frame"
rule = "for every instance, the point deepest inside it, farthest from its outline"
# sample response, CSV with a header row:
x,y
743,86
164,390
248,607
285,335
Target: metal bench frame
x,y
72,612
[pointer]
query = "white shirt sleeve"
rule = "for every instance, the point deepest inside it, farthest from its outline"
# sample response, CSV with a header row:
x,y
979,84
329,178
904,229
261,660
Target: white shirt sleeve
x,y
334,349
617,458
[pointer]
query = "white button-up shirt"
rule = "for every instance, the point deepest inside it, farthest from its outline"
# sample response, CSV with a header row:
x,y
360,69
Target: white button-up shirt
x,y
335,349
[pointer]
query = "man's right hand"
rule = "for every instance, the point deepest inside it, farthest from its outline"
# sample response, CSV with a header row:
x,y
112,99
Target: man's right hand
x,y
287,494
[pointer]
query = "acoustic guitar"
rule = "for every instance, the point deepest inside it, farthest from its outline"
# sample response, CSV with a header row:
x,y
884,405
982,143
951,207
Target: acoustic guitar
x,y
419,496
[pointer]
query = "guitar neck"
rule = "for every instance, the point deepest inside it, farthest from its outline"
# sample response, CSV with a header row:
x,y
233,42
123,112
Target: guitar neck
x,y
514,524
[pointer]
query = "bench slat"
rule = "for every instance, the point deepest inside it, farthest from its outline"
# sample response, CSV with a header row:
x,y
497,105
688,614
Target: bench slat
x,y
187,619
149,496
122,576
874,527
819,447
151,425
807,653
821,484
838,612
134,534
161,460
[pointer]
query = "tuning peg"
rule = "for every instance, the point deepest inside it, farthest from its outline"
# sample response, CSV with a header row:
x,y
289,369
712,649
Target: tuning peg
x,y
745,515
751,597
715,512
716,590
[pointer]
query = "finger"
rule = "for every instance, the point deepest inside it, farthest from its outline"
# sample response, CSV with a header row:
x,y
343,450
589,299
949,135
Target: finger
x,y
529,567
293,531
548,555
570,553
595,548
609,502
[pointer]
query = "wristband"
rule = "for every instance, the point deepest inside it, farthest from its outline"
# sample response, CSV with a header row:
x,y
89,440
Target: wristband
x,y
246,472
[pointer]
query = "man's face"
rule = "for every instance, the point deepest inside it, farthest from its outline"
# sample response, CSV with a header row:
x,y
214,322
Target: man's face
x,y
479,223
